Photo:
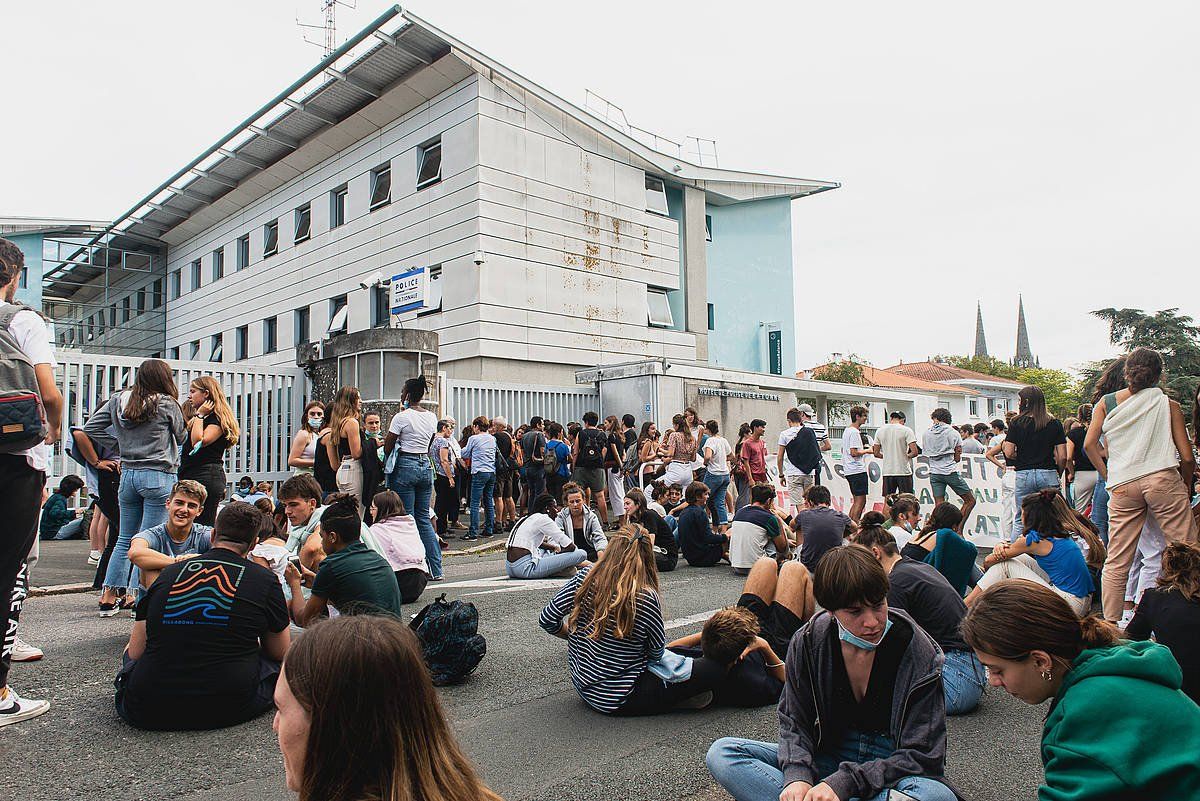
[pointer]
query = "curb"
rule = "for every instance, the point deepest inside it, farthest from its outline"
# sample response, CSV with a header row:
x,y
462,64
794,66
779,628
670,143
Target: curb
x,y
60,589
478,550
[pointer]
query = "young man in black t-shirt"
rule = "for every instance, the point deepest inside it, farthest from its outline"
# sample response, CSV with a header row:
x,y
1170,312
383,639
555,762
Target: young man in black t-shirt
x,y
533,445
210,635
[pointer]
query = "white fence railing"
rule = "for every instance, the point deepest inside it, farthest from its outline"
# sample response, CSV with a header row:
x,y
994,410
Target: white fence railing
x,y
266,401
466,400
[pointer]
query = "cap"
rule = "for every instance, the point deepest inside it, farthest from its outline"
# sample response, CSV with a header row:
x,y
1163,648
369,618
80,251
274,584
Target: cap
x,y
807,409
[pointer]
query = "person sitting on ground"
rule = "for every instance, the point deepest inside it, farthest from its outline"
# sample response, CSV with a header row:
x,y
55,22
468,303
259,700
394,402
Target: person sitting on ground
x,y
1048,553
666,547
755,527
924,593
1118,722
247,490
399,540
301,497
1171,612
938,543
581,525
699,544
178,539
402,745
753,636
904,515
862,709
610,616
271,550
209,635
668,502
820,528
352,578
538,547
55,513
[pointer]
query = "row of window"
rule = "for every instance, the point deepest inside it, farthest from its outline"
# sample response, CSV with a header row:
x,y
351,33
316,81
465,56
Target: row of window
x,y
140,301
429,172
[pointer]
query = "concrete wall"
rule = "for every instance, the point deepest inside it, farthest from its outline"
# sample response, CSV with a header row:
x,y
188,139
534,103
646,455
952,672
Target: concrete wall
x,y
750,281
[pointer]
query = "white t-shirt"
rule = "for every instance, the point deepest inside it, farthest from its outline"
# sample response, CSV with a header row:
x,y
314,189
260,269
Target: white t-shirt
x,y
719,463
894,440
786,436
414,430
33,337
533,531
851,465
901,534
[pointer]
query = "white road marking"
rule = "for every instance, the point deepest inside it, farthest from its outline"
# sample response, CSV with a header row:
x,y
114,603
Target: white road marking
x,y
699,617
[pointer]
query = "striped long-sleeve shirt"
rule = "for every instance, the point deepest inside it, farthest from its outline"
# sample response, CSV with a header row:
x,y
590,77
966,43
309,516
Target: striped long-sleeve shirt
x,y
604,671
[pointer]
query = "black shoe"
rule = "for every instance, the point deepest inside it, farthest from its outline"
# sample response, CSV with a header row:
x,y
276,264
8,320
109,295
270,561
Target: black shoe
x,y
469,538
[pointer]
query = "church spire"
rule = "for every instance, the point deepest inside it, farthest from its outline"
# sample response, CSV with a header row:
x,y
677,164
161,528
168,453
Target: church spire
x,y
1024,357
980,340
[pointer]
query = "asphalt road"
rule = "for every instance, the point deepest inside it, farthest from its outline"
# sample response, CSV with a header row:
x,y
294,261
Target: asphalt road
x,y
518,716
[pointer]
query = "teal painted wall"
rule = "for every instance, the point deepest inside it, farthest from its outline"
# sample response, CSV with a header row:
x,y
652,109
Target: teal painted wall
x,y
678,297
750,281
31,246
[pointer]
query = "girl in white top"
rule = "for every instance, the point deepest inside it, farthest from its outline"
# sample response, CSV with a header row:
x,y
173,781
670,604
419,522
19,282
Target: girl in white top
x,y
410,434
271,551
538,547
304,444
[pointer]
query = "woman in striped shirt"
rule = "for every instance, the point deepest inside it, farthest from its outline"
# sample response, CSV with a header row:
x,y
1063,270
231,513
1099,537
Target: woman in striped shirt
x,y
609,614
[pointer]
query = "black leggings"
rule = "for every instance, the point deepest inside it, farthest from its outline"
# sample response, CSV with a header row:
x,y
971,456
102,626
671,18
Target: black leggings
x,y
20,504
445,503
212,476
651,695
106,499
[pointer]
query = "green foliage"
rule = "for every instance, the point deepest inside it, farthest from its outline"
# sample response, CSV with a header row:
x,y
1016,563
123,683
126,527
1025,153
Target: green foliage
x,y
843,371
988,365
1060,388
1176,336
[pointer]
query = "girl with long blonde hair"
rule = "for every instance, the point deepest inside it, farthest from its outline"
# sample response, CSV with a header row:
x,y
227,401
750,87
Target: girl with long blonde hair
x,y
610,616
211,431
344,444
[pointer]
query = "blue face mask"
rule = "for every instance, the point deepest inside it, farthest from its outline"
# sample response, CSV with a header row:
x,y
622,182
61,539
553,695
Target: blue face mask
x,y
315,422
859,642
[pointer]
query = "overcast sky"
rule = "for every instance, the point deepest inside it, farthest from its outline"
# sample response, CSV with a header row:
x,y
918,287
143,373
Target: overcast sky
x,y
1043,148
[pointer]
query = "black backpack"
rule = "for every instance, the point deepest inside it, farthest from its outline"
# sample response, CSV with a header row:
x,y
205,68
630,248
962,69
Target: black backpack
x,y
592,444
450,639
803,452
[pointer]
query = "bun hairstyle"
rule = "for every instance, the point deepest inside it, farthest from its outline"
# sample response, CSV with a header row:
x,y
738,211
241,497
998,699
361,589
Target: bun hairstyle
x,y
1143,369
902,503
1014,618
872,533
1181,570
414,389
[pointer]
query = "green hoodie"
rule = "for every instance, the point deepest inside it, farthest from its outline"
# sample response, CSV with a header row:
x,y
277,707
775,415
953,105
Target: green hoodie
x,y
1121,728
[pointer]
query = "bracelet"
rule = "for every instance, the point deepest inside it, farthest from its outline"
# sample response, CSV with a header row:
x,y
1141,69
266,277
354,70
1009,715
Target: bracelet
x,y
777,664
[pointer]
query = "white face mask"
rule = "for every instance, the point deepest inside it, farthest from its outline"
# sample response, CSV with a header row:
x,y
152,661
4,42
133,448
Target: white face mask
x,y
315,422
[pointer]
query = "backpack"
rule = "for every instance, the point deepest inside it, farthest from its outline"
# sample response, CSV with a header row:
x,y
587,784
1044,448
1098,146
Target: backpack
x,y
550,460
632,460
592,444
22,423
803,451
450,640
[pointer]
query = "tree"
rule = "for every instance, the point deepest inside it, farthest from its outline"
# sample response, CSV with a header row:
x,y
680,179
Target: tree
x,y
843,371
988,365
1176,336
1059,387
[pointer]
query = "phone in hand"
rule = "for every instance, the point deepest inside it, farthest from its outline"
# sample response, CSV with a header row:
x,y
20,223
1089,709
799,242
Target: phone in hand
x,y
896,795
295,561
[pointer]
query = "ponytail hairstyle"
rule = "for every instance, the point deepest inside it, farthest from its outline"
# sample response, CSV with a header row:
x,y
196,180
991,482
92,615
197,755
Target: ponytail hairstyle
x,y
414,390
607,600
1181,570
1013,618
902,503
154,378
872,534
944,515
229,424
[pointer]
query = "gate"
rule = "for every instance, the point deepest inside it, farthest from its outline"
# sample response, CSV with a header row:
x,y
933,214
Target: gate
x,y
466,400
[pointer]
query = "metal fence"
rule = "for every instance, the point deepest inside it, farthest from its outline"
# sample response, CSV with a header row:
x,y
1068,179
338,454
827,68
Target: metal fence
x,y
267,402
466,400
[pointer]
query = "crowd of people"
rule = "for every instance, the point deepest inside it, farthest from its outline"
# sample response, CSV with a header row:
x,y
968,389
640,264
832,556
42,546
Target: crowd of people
x,y
866,628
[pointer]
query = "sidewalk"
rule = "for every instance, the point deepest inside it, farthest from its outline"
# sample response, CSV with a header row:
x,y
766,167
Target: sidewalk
x,y
62,562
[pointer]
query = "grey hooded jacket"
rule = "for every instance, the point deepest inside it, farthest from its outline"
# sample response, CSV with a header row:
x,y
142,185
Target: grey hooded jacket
x,y
918,720
152,444
593,532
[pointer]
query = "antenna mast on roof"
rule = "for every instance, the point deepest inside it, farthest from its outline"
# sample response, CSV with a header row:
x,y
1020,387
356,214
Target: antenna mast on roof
x,y
329,27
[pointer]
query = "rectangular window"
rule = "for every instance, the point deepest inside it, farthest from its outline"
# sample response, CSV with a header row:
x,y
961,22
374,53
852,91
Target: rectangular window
x,y
337,207
243,252
270,334
217,348
712,317
176,280
141,300
270,239
241,342
656,195
112,316
302,329
195,275
339,313
429,163
125,309
707,227
194,349
973,407
991,406
91,328
381,186
303,223
218,264
173,353
659,310
157,296
435,291
24,282
381,313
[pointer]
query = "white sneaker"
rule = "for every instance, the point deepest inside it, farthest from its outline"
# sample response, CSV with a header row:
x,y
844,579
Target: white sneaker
x,y
93,558
24,652
14,708
1126,619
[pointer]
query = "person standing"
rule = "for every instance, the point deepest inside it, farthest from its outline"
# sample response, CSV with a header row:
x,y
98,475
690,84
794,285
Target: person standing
x,y
681,453
614,459
1080,473
754,452
558,465
854,467
413,431
480,450
970,445
587,461
716,472
445,495
1008,477
344,446
507,468
304,444
1150,469
896,445
211,431
737,470
1036,447
533,445
148,425
942,446
23,470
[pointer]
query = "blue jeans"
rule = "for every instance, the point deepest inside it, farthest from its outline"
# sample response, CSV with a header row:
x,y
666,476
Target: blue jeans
x,y
413,482
1100,507
142,497
546,566
718,483
749,770
71,531
1029,482
963,680
482,487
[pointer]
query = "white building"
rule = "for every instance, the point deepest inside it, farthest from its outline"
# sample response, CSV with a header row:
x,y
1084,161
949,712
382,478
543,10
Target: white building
x,y
994,396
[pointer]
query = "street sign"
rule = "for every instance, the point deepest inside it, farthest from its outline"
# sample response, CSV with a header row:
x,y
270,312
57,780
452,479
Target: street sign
x,y
410,291
775,351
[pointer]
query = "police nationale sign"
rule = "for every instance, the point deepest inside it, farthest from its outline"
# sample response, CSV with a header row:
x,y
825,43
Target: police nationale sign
x,y
410,290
